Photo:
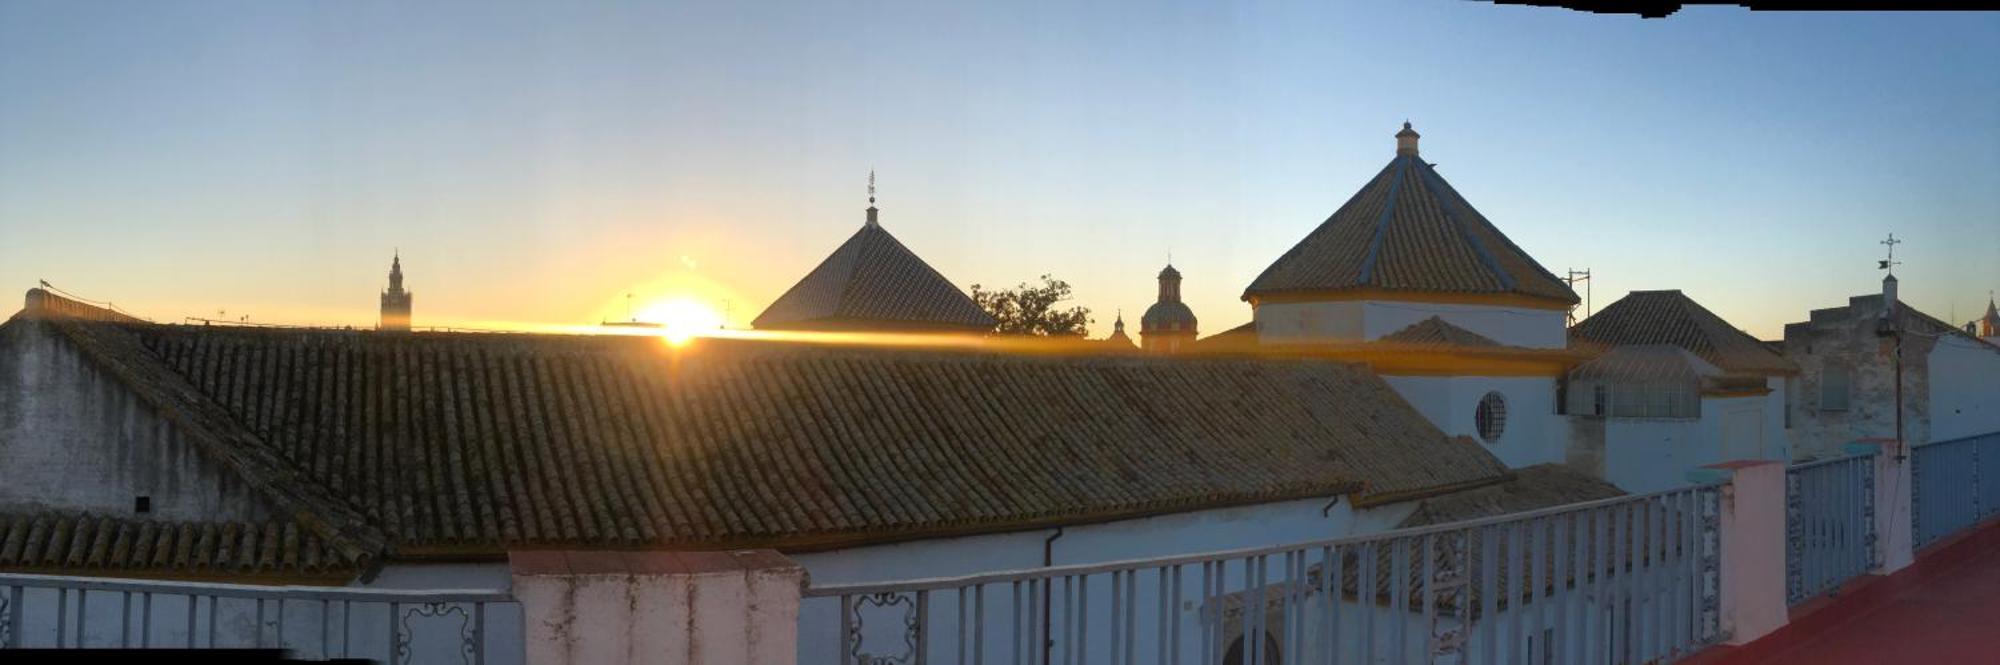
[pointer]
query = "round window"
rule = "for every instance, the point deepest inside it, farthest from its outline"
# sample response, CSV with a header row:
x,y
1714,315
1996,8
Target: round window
x,y
1491,418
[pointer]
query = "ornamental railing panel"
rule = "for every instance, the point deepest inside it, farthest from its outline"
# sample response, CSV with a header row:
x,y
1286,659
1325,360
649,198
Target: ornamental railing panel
x,y
417,627
1625,580
1829,525
1954,484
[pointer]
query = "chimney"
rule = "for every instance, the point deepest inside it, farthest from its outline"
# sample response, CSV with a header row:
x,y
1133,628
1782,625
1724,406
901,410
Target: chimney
x,y
1406,140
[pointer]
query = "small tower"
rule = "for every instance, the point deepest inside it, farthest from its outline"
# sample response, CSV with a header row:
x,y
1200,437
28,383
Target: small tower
x,y
395,301
1168,326
1118,337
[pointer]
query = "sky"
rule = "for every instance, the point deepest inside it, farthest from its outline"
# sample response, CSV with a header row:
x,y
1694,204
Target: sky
x,y
535,163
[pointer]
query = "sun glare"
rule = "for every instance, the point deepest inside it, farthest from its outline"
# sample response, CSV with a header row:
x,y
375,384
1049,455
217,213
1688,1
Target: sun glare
x,y
681,319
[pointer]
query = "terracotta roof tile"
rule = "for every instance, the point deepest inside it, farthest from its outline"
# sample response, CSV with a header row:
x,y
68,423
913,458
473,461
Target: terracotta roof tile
x,y
467,444
1408,230
1435,332
56,541
873,281
1670,317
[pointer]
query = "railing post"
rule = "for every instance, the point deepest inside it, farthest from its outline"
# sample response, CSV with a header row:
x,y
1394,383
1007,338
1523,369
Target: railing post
x,y
1895,537
629,608
1752,535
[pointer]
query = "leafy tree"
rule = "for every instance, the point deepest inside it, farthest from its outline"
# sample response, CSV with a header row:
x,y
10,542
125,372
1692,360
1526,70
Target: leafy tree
x,y
1032,310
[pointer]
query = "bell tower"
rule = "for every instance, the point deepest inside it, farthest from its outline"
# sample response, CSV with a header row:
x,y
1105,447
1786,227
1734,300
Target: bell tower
x,y
395,300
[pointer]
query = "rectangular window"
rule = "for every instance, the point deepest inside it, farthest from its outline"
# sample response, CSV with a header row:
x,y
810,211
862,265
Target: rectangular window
x,y
1833,387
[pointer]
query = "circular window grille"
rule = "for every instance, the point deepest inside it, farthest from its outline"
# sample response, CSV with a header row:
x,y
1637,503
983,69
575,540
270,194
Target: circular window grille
x,y
1491,418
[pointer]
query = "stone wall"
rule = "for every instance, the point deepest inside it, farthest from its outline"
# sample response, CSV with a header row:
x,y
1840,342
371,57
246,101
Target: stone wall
x,y
1847,336
74,439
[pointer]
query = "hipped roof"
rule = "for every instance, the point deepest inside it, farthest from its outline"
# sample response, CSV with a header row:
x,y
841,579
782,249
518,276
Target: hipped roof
x,y
1670,317
1408,230
873,281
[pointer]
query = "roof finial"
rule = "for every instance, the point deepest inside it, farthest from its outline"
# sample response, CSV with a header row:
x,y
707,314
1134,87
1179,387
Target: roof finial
x,y
1890,263
872,223
1406,140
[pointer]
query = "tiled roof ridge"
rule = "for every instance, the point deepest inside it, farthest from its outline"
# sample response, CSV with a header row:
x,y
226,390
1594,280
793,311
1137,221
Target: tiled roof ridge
x,y
845,276
847,291
43,303
1434,180
849,281
1409,232
1504,238
225,441
873,276
1382,223
1300,247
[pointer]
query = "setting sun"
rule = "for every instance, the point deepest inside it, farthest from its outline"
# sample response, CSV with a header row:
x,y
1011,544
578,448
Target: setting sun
x,y
681,319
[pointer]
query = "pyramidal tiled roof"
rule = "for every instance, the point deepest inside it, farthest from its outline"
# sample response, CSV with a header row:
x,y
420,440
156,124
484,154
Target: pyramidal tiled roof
x,y
1435,331
873,281
1408,230
1670,317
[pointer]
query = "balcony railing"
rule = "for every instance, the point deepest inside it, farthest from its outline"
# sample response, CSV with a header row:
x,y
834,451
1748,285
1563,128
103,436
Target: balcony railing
x,y
397,627
1955,484
1829,525
1625,580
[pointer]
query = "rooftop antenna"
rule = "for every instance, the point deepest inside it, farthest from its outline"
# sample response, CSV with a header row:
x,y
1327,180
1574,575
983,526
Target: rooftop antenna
x,y
1890,263
1580,276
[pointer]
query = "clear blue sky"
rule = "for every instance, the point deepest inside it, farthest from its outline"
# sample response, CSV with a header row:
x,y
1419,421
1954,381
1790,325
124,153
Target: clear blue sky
x,y
534,163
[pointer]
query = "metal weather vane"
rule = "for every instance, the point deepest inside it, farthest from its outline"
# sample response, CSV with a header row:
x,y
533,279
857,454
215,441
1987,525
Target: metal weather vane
x,y
1890,263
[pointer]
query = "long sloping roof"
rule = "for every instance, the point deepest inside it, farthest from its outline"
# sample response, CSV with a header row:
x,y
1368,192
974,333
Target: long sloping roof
x,y
70,542
872,280
1532,488
1408,230
1670,317
464,444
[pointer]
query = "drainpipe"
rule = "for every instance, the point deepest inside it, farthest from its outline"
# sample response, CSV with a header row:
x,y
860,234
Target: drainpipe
x,y
1048,559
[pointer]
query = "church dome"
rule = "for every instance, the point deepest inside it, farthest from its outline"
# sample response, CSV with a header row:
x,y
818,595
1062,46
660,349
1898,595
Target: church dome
x,y
1167,316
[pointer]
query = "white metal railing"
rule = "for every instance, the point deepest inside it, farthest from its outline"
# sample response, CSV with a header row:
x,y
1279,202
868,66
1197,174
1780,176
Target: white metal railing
x,y
1829,524
1953,484
400,627
1624,580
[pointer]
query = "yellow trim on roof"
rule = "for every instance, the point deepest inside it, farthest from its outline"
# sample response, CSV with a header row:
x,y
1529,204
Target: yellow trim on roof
x,y
1438,297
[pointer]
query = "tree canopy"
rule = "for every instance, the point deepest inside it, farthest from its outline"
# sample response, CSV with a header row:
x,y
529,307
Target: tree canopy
x,y
1034,310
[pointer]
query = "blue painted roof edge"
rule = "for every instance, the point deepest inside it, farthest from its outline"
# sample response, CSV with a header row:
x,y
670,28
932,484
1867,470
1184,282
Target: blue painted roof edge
x,y
1532,263
1465,233
1382,225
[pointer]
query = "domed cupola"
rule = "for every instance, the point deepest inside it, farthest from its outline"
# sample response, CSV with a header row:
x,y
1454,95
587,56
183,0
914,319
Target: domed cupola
x,y
1168,326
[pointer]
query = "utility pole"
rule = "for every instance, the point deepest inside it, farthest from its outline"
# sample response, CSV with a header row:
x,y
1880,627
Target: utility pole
x,y
1580,276
1888,327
